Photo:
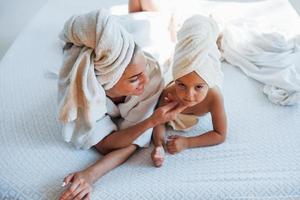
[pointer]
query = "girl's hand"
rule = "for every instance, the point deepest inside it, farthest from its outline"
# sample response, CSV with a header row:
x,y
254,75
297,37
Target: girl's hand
x,y
176,143
167,113
80,187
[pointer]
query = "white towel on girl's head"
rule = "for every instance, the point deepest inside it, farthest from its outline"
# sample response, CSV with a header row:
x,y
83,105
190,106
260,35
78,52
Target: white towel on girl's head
x,y
265,57
100,51
196,50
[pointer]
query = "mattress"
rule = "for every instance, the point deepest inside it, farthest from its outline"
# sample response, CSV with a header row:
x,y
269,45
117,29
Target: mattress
x,y
260,158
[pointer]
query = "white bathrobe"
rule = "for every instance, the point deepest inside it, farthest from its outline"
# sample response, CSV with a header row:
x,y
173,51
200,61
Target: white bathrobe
x,y
124,115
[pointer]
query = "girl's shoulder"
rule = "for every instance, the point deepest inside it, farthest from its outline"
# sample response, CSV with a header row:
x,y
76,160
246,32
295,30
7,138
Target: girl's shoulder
x,y
215,96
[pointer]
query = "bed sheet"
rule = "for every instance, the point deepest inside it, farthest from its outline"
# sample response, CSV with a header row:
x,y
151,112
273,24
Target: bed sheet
x,y
259,160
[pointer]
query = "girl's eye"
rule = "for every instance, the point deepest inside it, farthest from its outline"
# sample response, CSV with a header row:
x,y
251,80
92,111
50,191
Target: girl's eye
x,y
199,87
181,86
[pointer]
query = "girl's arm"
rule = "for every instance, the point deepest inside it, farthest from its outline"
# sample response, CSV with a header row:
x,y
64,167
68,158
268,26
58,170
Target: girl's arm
x,y
178,143
218,134
159,135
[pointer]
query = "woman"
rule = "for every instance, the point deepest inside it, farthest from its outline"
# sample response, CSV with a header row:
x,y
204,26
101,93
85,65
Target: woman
x,y
108,89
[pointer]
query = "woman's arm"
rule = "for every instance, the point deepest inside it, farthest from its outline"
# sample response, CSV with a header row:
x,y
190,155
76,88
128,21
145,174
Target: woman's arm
x,y
125,137
80,183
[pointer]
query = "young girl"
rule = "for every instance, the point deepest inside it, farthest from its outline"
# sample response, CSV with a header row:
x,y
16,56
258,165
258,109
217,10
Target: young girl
x,y
197,79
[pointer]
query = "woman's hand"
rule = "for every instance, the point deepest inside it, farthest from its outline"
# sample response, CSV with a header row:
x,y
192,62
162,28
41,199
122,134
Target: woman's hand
x,y
167,113
80,186
176,143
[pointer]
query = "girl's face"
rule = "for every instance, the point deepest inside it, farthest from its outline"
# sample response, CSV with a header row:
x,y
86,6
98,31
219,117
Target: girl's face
x,y
191,89
133,80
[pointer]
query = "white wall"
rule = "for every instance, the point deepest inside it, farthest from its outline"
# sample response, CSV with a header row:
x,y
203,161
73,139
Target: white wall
x,y
14,16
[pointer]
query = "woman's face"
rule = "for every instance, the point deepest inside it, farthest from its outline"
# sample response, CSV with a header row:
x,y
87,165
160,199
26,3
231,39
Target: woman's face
x,y
133,80
191,89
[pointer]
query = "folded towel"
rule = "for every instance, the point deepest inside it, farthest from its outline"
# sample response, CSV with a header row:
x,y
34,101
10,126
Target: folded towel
x,y
100,50
183,122
196,50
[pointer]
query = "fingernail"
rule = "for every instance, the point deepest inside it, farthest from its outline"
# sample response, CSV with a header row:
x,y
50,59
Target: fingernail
x,y
63,184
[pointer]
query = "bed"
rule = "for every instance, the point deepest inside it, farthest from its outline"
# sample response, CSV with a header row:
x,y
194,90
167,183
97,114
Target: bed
x,y
259,160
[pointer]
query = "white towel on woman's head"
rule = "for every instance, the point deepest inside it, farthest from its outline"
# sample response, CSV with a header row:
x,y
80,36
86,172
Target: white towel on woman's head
x,y
101,50
196,50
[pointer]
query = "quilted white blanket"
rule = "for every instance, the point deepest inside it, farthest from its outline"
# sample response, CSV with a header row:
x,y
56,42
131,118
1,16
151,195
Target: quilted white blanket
x,y
259,160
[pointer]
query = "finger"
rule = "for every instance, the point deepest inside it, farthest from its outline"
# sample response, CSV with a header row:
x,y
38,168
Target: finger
x,y
169,143
173,137
171,151
68,179
171,97
87,196
176,109
69,193
169,106
179,108
65,195
75,186
166,100
77,190
82,194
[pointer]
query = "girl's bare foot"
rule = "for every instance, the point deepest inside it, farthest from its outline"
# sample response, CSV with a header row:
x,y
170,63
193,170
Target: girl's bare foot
x,y
158,156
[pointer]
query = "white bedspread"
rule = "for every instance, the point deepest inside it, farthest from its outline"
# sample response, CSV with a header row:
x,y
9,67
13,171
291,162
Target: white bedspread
x,y
259,160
